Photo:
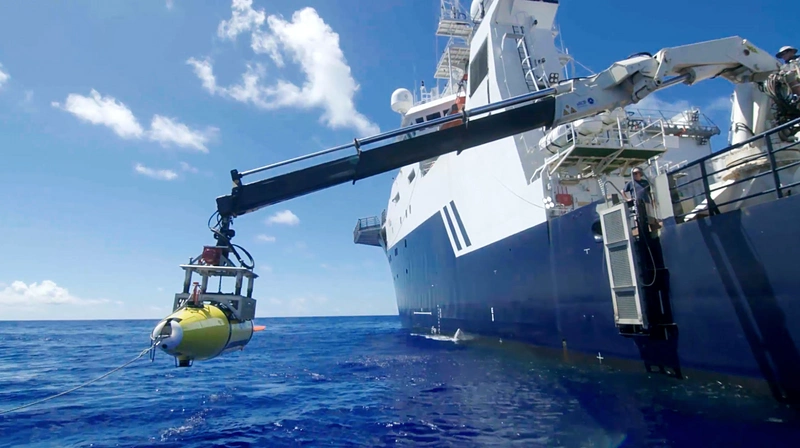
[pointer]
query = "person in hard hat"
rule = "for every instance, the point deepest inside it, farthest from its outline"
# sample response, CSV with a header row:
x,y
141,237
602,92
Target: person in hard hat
x,y
787,53
639,189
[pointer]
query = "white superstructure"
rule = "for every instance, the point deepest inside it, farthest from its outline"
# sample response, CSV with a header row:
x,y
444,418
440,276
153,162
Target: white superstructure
x,y
504,187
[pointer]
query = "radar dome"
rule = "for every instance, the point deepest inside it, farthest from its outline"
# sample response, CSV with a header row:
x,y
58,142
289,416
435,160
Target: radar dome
x,y
402,100
475,10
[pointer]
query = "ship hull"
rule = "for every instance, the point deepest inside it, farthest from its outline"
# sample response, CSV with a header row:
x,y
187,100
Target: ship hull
x,y
733,285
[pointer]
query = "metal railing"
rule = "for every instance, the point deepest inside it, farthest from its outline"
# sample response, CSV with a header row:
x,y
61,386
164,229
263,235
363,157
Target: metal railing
x,y
704,191
366,223
372,223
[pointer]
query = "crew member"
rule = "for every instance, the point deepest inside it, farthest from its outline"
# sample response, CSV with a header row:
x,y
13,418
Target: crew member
x,y
787,53
639,188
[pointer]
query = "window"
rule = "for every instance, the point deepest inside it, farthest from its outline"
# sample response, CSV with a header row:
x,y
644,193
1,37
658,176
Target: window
x,y
412,175
478,68
432,116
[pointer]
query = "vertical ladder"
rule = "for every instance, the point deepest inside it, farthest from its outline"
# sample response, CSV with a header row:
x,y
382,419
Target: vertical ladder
x,y
623,271
528,67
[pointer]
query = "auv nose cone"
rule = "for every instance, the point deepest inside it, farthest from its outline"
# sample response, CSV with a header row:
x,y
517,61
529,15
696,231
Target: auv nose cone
x,y
169,333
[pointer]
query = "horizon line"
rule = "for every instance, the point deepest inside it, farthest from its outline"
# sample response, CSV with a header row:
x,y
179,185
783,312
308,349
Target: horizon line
x,y
159,318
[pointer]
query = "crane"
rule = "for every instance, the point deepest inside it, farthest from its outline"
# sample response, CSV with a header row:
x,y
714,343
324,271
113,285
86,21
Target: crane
x,y
624,83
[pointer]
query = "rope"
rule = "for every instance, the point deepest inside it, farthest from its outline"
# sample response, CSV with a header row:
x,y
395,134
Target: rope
x,y
81,385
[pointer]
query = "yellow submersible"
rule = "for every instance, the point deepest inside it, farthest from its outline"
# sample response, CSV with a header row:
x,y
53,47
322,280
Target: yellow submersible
x,y
199,333
204,325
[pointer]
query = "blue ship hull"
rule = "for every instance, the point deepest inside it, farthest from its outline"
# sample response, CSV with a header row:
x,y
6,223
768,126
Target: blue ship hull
x,y
733,283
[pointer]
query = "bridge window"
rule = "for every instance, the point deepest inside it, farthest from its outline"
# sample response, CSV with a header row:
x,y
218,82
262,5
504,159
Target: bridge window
x,y
478,68
432,116
419,120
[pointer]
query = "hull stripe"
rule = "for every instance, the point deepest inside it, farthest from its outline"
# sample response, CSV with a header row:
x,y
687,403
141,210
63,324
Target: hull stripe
x,y
460,224
452,228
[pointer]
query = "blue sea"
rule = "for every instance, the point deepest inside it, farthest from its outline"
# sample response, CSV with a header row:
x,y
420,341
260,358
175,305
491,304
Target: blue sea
x,y
361,381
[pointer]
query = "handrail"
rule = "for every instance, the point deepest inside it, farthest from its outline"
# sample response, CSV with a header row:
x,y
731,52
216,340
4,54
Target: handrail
x,y
795,122
371,221
710,204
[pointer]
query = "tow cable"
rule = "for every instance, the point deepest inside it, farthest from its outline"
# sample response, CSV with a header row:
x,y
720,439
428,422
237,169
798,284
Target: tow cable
x,y
145,351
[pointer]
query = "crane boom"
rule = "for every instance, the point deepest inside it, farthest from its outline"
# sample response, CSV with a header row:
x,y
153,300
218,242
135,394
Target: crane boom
x,y
625,82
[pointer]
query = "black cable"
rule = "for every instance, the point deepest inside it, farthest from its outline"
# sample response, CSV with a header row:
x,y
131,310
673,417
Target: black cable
x,y
231,246
252,260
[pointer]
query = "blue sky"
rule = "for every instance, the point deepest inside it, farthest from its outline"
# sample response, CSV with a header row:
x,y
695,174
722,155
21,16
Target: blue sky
x,y
116,141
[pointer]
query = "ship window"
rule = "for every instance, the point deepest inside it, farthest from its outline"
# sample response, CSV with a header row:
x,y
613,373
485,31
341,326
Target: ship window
x,y
405,243
419,120
412,175
478,68
396,197
432,116
395,251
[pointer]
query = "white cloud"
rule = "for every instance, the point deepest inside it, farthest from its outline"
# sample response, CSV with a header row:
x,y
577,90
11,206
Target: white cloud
x,y
284,217
168,131
264,269
654,103
311,43
44,293
243,18
308,305
103,110
155,173
107,111
717,109
338,267
265,238
189,168
4,76
264,43
719,105
170,4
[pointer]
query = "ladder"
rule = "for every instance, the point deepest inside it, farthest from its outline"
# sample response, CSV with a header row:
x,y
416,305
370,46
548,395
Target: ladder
x,y
623,270
528,67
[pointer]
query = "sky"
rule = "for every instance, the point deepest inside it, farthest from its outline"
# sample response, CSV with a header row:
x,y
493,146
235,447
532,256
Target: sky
x,y
120,122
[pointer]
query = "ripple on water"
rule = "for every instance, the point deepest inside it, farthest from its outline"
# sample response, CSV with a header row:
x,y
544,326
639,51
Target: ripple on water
x,y
354,382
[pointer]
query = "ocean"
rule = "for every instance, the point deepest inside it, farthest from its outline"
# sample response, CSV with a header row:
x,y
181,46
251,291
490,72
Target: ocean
x,y
358,381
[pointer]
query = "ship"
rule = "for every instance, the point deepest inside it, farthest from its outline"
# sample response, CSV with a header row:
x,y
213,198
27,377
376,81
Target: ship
x,y
532,237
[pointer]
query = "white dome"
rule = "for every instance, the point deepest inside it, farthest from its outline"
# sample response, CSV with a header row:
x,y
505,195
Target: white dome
x,y
475,10
402,101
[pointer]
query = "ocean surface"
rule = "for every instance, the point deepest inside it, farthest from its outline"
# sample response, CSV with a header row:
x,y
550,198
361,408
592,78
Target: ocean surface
x,y
360,381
